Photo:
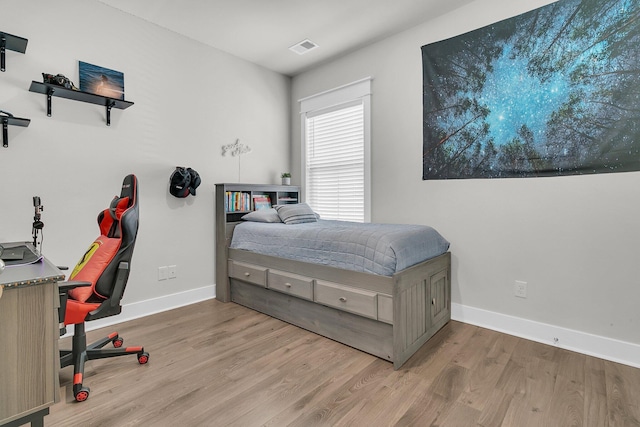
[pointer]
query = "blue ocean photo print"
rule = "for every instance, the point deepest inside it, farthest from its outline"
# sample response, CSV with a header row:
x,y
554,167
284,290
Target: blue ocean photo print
x,y
101,81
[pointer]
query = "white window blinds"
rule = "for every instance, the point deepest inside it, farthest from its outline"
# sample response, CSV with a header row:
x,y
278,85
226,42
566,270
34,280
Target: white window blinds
x,y
335,163
336,147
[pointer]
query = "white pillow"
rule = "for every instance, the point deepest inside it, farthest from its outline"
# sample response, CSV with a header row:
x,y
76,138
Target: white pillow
x,y
262,215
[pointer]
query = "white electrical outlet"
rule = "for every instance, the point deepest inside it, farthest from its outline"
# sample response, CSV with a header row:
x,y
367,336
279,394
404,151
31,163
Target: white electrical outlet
x,y
172,272
163,273
520,289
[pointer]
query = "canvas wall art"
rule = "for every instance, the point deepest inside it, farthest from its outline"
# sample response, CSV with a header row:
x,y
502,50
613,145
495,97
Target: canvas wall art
x,y
555,91
101,81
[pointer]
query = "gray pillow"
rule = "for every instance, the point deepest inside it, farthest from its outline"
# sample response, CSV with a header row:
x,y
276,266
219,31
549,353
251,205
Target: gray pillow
x,y
296,213
262,215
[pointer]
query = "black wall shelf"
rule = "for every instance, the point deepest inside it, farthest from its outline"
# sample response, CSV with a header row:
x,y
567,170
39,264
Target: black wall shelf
x,y
9,120
77,95
11,42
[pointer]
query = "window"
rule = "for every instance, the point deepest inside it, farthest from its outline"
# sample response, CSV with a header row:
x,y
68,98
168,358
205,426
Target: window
x,y
336,155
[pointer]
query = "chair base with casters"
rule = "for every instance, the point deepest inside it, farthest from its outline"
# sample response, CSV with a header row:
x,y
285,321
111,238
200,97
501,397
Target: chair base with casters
x,y
81,352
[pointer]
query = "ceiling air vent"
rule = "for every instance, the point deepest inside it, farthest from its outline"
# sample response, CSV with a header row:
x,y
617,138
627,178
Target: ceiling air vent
x,y
303,47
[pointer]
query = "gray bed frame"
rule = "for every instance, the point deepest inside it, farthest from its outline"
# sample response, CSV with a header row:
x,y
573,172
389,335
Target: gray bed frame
x,y
389,317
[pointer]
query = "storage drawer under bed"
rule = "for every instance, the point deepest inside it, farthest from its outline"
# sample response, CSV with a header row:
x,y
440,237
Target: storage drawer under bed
x,y
358,301
290,283
248,272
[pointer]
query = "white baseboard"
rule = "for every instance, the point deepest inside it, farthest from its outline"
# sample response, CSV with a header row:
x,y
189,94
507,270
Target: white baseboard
x,y
581,342
151,306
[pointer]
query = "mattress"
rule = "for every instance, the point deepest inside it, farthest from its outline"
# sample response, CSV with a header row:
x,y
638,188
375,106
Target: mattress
x,y
382,249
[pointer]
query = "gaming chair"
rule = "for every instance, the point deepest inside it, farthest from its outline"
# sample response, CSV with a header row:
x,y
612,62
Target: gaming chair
x,y
97,283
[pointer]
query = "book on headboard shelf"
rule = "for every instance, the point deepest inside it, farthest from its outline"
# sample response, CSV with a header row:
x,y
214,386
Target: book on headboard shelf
x,y
261,201
237,201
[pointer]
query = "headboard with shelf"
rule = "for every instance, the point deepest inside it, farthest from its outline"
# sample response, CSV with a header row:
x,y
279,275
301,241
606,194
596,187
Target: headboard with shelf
x,y
232,202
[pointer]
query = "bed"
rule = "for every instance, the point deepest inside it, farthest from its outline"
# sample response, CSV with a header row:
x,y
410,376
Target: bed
x,y
381,288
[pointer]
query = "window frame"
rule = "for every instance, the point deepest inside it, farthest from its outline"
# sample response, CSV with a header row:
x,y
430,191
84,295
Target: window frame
x,y
330,100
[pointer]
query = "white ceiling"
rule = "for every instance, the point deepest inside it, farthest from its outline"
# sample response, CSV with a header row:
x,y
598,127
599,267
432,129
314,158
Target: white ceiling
x,y
261,31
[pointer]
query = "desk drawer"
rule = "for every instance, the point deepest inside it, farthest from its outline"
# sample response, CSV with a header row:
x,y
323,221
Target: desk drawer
x,y
289,283
358,301
248,273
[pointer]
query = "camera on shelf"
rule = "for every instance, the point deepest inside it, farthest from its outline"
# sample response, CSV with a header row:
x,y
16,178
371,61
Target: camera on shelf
x,y
58,80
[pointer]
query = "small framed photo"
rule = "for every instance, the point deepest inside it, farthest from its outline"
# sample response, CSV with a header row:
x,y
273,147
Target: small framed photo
x,y
101,81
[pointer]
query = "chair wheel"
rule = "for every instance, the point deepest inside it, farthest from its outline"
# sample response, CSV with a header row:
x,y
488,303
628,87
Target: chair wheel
x,y
117,343
143,358
82,395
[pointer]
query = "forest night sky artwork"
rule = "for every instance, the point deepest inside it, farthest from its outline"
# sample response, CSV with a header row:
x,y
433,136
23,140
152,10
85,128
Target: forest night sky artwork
x,y
555,91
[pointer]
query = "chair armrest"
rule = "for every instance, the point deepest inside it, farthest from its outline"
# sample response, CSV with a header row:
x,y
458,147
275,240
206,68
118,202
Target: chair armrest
x,y
72,284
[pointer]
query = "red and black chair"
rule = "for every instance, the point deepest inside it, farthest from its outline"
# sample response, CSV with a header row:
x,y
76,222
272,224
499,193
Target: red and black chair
x,y
96,286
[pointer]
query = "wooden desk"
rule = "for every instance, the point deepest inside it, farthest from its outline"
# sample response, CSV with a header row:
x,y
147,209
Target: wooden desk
x,y
29,333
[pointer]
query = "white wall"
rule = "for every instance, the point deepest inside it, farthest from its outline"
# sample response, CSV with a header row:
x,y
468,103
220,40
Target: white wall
x,y
189,100
573,239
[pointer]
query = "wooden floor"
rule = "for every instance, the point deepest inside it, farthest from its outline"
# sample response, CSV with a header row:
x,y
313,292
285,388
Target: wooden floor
x,y
215,364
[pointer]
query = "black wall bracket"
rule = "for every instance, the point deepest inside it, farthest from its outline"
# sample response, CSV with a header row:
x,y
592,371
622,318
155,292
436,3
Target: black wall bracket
x,y
15,121
110,104
49,95
11,42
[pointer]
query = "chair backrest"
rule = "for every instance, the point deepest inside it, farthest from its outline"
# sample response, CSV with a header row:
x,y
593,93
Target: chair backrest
x,y
119,228
124,218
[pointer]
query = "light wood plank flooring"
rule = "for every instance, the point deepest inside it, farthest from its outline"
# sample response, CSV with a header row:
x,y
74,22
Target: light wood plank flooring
x,y
215,364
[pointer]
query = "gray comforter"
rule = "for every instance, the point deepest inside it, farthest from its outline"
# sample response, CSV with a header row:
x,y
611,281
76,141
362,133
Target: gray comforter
x,y
371,248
